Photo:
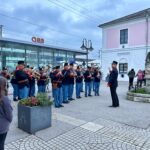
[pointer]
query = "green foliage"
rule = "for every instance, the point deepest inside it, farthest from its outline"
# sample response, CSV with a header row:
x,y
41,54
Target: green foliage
x,y
140,91
41,99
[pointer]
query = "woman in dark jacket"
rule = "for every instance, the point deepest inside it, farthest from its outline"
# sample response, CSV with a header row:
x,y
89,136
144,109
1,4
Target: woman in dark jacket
x,y
5,112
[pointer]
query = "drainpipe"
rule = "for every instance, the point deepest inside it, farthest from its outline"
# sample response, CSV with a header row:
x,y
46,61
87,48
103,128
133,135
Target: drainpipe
x,y
147,31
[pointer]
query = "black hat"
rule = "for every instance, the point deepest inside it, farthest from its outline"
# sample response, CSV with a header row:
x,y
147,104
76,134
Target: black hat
x,y
20,62
78,67
115,62
40,69
71,64
4,68
57,67
66,64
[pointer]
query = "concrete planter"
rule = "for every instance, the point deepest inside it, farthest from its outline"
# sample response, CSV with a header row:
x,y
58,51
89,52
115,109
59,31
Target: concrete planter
x,y
33,119
137,97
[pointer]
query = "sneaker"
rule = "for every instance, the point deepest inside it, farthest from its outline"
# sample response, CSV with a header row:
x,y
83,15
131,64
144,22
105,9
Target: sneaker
x,y
61,105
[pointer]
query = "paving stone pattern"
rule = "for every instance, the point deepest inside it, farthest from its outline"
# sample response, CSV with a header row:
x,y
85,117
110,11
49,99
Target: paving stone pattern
x,y
113,136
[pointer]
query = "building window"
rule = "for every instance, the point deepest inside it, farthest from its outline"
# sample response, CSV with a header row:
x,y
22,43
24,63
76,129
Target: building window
x,y
124,36
123,67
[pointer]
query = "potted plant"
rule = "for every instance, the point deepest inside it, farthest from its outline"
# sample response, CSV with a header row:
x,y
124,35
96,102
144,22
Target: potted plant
x,y
34,113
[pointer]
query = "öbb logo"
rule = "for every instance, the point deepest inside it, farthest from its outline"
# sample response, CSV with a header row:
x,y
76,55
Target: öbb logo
x,y
37,40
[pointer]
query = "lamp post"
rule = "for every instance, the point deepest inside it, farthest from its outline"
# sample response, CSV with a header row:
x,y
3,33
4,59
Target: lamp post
x,y
87,45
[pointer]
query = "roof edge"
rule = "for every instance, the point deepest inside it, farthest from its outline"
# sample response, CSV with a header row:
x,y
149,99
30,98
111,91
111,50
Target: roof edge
x,y
136,15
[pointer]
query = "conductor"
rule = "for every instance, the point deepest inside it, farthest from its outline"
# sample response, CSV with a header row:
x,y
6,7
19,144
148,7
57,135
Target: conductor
x,y
113,84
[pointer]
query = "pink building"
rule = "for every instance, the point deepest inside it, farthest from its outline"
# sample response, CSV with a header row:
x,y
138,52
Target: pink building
x,y
126,40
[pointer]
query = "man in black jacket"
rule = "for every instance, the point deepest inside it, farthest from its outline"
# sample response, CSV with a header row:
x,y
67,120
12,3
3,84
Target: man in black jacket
x,y
88,81
113,84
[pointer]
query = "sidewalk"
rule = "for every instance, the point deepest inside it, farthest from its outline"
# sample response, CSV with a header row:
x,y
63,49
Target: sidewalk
x,y
89,124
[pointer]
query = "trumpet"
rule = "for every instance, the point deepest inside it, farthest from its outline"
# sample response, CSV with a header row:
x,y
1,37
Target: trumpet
x,y
36,74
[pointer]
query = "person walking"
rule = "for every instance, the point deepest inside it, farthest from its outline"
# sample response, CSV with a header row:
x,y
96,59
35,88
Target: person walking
x,y
139,78
88,79
131,76
113,84
5,112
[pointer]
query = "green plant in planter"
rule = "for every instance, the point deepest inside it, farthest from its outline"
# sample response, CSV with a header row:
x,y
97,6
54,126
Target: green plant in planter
x,y
41,99
140,91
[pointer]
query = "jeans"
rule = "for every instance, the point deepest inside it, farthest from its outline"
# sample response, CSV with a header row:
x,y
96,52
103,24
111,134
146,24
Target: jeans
x,y
70,90
23,92
139,83
78,89
32,90
81,86
93,85
97,85
2,140
41,88
57,96
65,93
88,88
15,90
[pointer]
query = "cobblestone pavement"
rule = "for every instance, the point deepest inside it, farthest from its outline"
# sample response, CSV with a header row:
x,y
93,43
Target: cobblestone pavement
x,y
89,124
112,136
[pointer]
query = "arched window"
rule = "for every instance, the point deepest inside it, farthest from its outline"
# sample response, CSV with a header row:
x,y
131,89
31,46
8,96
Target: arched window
x,y
123,66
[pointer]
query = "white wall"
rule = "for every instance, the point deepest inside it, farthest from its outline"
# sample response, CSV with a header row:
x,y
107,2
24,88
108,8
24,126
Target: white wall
x,y
134,57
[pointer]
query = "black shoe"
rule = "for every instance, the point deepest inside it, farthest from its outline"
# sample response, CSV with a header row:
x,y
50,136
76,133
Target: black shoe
x,y
61,105
79,97
111,106
71,99
66,102
82,91
57,106
15,99
90,95
85,95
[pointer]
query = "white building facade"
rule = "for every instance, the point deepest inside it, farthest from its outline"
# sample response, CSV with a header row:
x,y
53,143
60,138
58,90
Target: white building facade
x,y
126,40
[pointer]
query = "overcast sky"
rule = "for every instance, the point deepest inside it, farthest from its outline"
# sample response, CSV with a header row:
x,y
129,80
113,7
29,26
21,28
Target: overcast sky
x,y
63,22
